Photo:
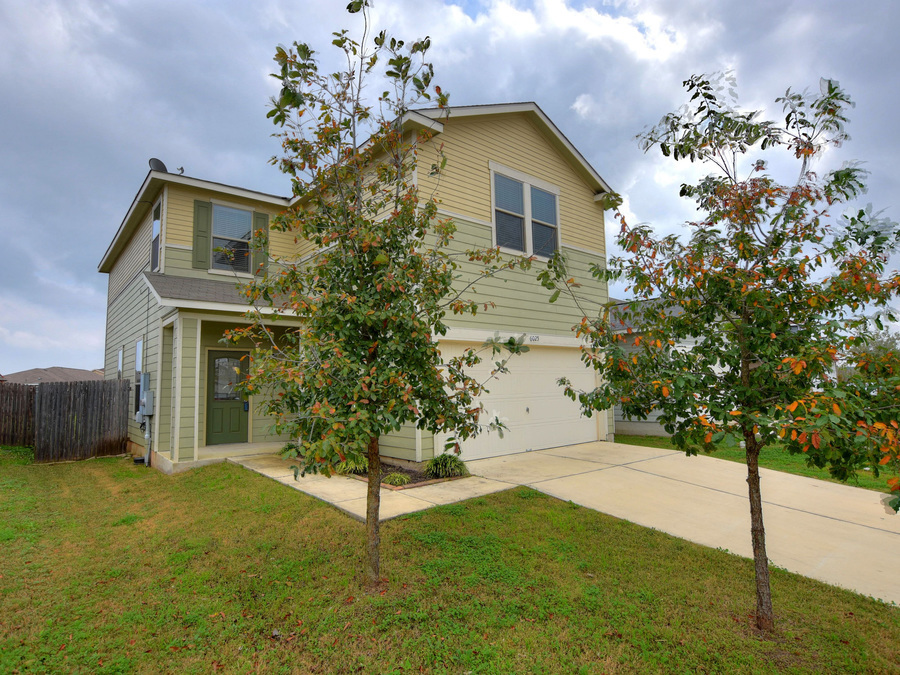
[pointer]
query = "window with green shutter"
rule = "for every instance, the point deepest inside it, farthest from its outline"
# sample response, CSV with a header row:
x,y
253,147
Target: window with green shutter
x,y
223,237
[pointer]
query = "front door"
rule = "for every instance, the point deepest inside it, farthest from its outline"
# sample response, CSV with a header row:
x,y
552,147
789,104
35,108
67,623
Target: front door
x,y
226,412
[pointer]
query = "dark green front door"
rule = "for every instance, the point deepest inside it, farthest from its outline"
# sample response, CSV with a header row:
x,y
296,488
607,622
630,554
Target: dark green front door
x,y
226,416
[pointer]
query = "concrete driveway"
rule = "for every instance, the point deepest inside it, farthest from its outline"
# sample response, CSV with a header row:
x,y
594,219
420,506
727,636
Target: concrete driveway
x,y
841,535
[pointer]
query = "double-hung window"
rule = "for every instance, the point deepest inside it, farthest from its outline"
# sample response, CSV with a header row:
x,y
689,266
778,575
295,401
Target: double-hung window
x,y
232,230
526,213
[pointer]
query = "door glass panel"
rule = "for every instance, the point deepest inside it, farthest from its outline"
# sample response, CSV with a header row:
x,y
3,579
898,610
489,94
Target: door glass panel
x,y
227,374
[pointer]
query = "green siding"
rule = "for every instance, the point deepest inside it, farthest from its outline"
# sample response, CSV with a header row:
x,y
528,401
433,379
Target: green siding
x,y
427,446
164,394
132,314
400,444
213,328
188,348
522,304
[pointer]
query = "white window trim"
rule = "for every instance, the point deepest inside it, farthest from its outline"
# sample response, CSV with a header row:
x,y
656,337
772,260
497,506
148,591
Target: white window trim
x,y
162,230
529,182
159,253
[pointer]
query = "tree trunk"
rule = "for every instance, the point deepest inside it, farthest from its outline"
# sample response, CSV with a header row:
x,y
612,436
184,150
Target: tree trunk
x,y
765,618
373,507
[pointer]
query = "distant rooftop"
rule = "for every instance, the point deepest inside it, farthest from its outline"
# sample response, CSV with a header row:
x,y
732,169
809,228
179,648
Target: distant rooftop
x,y
54,374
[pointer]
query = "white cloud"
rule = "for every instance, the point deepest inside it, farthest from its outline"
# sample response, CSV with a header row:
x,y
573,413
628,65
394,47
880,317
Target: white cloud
x,y
32,337
92,90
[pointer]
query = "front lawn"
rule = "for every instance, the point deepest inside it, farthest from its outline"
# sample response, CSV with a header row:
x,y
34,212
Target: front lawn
x,y
108,567
774,457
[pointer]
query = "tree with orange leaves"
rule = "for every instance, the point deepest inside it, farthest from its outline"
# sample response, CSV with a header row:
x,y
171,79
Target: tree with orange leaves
x,y
776,289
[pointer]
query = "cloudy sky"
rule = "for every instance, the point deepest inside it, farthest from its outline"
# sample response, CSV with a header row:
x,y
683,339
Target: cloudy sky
x,y
92,89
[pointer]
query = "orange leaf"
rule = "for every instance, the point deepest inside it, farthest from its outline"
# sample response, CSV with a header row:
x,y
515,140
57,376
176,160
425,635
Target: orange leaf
x,y
836,408
885,460
793,434
735,412
793,406
708,438
816,440
665,392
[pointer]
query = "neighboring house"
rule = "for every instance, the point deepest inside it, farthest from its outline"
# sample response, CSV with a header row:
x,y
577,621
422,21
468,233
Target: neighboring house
x,y
512,180
54,374
650,426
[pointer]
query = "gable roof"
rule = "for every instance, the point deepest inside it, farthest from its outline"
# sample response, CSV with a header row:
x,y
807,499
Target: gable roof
x,y
531,110
430,118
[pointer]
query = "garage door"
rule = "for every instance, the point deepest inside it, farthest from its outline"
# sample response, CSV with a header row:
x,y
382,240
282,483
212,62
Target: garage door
x,y
531,404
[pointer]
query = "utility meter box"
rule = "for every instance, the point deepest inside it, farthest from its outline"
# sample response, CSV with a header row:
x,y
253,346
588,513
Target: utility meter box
x,y
147,398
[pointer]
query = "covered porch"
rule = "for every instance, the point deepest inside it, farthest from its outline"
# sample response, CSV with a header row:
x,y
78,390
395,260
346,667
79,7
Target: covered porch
x,y
200,419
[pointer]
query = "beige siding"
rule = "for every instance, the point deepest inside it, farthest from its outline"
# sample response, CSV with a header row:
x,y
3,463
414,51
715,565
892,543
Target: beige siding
x,y
400,444
470,143
132,315
522,304
179,225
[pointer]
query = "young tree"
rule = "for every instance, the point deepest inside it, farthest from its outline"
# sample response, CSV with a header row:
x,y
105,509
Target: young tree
x,y
774,290
373,295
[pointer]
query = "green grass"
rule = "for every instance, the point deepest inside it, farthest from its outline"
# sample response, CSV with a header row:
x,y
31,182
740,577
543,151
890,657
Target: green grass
x,y
771,458
110,567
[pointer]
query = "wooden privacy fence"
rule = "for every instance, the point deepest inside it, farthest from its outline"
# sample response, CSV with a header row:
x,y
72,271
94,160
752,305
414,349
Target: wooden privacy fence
x,y
16,414
76,420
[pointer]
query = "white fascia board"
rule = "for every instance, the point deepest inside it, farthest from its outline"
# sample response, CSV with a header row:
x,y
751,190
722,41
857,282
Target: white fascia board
x,y
217,306
416,119
156,296
531,339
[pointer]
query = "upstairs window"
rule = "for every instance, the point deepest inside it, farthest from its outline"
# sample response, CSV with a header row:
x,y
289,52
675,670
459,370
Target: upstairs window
x,y
154,241
232,230
544,237
525,215
509,200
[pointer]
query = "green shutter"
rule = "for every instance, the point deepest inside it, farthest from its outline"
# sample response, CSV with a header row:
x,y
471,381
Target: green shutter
x,y
261,255
202,234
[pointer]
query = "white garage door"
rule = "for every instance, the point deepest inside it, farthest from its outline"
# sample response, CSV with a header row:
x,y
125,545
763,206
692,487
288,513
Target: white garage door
x,y
532,404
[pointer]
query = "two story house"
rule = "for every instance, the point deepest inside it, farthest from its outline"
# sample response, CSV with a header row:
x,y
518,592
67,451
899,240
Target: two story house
x,y
512,180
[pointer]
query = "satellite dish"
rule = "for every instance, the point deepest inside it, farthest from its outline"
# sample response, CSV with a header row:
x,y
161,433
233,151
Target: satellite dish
x,y
157,165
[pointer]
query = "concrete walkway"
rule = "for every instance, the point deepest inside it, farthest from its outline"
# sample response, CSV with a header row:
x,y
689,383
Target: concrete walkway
x,y
839,534
349,494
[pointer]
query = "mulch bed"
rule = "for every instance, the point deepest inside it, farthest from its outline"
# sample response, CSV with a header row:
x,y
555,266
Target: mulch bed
x,y
416,478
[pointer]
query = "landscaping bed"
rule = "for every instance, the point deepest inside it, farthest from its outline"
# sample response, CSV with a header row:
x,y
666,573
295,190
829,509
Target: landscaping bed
x,y
416,478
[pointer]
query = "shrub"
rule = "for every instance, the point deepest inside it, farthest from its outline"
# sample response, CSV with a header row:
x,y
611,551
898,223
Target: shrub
x,y
358,465
396,479
445,466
